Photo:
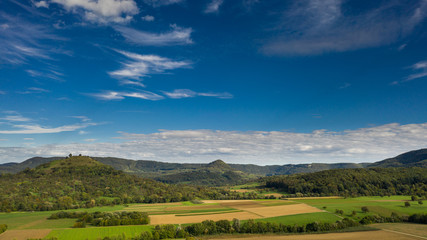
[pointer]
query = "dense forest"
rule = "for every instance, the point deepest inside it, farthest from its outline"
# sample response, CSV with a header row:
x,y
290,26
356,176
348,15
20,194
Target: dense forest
x,y
83,182
353,182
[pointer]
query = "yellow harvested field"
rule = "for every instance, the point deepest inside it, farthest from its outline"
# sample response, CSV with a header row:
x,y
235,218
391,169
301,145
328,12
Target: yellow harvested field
x,y
275,211
249,210
173,219
332,236
193,207
410,228
308,198
24,234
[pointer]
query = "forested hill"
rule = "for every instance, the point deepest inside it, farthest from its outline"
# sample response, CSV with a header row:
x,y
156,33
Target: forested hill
x,y
417,158
83,182
353,182
220,173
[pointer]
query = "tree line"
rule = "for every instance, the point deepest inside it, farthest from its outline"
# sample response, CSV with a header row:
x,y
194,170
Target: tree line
x,y
353,182
104,218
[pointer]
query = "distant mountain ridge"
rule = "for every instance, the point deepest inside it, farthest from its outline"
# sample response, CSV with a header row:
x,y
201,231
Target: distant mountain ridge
x,y
218,172
417,158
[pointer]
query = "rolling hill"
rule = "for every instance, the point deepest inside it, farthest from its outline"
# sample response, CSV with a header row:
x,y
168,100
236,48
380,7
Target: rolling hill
x,y
81,181
417,158
219,173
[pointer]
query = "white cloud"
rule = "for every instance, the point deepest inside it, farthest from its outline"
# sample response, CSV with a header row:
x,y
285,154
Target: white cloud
x,y
15,118
102,11
313,27
213,6
28,139
177,36
90,140
114,95
37,129
148,18
187,93
421,67
257,147
82,118
40,4
34,90
138,66
158,3
21,40
51,74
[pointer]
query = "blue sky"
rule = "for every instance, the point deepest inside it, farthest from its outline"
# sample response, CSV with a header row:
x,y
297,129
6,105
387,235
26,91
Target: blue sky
x,y
194,81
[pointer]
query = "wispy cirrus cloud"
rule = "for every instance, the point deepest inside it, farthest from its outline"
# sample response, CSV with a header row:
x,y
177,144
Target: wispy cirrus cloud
x,y
48,74
313,27
420,68
30,127
101,11
138,66
15,118
32,90
177,36
37,129
117,95
213,6
21,40
257,147
187,93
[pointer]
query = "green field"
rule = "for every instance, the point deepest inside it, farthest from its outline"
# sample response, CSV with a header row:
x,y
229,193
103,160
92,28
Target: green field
x,y
98,232
303,218
376,205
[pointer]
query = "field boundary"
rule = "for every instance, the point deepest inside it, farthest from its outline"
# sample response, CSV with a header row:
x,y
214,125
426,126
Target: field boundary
x,y
412,235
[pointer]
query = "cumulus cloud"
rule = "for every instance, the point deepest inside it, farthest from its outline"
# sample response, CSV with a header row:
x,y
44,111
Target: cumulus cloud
x,y
40,4
102,11
148,18
138,66
213,6
177,36
115,95
313,27
257,147
187,93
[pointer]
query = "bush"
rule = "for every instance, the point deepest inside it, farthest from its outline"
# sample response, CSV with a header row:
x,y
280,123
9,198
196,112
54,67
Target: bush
x,y
407,204
81,224
365,209
3,228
